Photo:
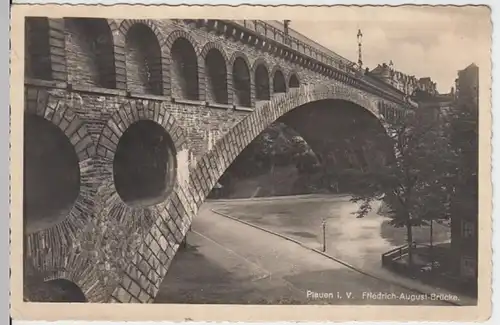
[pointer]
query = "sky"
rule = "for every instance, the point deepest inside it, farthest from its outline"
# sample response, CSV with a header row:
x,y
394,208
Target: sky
x,y
431,42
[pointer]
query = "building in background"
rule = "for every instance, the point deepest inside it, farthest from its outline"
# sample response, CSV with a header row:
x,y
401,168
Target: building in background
x,y
464,225
422,92
467,83
403,82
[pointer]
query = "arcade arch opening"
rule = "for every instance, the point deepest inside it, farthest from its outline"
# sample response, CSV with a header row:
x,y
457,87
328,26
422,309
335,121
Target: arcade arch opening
x,y
293,82
144,167
93,43
51,174
184,69
215,66
37,59
279,84
262,83
241,83
143,60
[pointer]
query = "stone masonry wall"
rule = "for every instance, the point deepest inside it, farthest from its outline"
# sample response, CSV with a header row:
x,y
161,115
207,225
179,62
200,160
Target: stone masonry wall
x,y
202,125
82,68
89,115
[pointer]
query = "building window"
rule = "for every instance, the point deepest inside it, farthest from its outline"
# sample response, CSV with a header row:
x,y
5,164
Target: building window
x,y
467,229
468,267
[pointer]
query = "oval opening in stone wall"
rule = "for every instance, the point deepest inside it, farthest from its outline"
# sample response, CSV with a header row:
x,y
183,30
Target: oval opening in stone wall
x,y
51,174
144,167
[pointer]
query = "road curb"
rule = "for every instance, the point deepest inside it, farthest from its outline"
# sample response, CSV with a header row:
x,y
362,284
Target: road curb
x,y
330,257
284,197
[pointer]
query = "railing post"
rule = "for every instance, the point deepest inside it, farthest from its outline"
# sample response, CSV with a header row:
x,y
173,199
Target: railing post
x,y
323,225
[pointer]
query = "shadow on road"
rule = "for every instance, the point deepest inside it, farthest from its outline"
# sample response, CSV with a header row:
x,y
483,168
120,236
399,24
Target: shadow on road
x,y
193,279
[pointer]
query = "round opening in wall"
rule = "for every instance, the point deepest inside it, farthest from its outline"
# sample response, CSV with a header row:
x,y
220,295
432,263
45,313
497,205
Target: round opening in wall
x,y
58,290
144,167
51,174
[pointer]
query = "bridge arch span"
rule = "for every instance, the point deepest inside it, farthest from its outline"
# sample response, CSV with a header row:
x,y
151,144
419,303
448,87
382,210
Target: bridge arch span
x,y
238,138
212,165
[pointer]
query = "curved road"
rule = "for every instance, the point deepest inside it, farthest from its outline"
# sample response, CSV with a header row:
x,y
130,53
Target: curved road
x,y
232,263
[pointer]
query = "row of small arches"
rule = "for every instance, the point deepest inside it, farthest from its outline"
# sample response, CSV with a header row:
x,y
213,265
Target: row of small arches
x,y
135,57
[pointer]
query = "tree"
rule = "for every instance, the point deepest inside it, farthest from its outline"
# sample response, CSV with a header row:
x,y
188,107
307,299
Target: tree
x,y
413,180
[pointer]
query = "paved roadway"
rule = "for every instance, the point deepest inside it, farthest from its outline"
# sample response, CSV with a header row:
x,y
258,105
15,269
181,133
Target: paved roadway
x,y
232,263
359,242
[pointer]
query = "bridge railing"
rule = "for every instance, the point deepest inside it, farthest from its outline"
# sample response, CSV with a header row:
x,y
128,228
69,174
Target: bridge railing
x,y
271,32
340,64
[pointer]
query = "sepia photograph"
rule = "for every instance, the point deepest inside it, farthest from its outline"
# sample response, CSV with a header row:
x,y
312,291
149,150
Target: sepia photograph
x,y
301,161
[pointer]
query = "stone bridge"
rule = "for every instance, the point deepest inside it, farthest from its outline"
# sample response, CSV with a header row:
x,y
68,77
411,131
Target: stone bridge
x,y
128,125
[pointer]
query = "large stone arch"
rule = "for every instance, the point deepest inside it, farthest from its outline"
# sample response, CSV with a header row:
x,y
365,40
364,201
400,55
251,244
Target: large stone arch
x,y
157,65
208,75
200,64
243,59
212,165
228,148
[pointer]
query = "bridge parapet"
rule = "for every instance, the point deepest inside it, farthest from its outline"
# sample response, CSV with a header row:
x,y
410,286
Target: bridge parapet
x,y
337,67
